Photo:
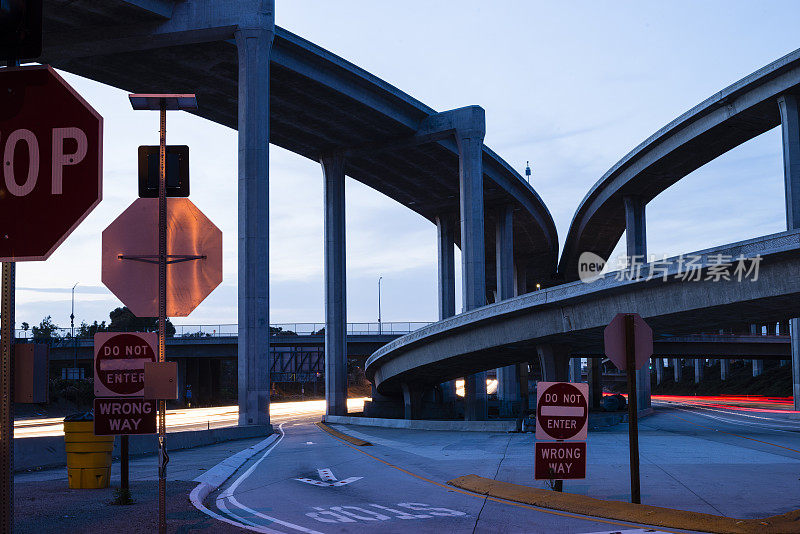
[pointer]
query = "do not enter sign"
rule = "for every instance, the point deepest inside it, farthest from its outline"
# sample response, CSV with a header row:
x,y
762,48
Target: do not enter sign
x,y
119,360
562,410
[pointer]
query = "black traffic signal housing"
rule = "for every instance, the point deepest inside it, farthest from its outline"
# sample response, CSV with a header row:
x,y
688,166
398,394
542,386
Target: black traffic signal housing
x,y
20,29
177,171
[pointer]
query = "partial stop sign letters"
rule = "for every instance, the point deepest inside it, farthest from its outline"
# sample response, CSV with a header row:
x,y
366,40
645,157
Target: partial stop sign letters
x,y
51,148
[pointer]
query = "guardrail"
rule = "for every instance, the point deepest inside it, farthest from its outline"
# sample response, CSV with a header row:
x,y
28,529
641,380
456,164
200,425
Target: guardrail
x,y
232,330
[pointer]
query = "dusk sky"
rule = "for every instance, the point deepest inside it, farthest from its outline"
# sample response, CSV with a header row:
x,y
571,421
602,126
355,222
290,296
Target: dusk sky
x,y
570,86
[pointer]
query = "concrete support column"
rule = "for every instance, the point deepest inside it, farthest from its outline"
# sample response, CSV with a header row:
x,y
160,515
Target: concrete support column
x,y
254,47
678,365
783,329
554,360
473,261
758,365
181,379
575,370
446,283
699,365
412,402
335,287
636,240
659,370
790,129
507,377
794,332
595,383
724,369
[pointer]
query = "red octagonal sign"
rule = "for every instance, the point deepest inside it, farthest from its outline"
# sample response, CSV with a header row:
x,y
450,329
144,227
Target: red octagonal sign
x,y
51,148
562,410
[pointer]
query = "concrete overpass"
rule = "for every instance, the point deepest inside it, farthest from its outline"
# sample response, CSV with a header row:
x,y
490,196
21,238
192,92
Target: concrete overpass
x,y
276,87
616,204
569,319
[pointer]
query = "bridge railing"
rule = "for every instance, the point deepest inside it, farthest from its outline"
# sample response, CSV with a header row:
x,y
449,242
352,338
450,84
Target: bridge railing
x,y
62,335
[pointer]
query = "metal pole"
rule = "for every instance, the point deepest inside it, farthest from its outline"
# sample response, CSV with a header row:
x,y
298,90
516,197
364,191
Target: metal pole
x,y
72,329
7,398
123,464
7,392
162,316
380,330
633,424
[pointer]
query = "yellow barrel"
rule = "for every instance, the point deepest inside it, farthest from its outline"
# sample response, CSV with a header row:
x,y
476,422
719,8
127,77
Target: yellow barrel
x,y
88,456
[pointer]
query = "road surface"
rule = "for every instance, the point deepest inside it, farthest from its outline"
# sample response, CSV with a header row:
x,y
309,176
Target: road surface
x,y
196,418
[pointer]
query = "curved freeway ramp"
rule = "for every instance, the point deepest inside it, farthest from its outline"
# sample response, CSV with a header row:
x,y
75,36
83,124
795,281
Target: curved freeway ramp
x,y
572,315
722,122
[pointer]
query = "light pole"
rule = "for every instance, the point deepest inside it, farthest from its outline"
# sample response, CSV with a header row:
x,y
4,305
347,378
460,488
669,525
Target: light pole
x,y
72,328
380,329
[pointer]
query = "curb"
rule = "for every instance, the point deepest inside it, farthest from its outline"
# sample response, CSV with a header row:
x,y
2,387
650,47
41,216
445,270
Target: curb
x,y
342,435
215,477
422,424
623,511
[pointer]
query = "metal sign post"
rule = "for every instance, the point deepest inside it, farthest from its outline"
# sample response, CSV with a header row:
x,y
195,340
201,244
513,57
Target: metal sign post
x,y
633,423
7,395
162,313
7,399
628,344
162,103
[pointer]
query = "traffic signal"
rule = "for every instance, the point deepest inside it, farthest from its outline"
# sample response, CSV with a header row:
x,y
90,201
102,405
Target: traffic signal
x,y
177,171
20,29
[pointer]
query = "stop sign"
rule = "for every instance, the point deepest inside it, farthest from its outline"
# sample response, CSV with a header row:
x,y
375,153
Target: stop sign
x,y
51,149
615,346
562,410
130,257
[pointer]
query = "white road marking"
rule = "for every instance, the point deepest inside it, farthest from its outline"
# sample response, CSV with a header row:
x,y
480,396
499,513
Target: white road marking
x,y
361,512
634,531
327,479
326,475
246,523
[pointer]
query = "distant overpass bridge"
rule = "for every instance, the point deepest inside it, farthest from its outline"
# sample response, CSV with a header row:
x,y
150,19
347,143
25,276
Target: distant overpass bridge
x,y
297,352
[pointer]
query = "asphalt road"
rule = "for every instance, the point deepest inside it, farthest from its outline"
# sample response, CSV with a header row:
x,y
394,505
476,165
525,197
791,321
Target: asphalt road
x,y
194,418
313,483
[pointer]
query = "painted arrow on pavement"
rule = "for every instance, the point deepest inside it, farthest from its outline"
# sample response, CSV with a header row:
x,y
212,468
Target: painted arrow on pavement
x,y
326,479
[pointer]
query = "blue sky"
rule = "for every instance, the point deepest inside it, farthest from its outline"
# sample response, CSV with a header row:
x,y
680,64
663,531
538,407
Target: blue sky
x,y
570,86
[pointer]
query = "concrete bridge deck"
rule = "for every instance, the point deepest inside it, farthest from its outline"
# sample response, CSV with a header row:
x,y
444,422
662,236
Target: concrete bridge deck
x,y
573,316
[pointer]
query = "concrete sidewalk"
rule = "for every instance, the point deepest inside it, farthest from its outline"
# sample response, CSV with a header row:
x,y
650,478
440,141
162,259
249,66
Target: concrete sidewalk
x,y
43,503
731,467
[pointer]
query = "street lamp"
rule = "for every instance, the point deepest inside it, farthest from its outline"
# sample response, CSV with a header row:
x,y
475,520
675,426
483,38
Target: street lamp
x,y
380,328
72,328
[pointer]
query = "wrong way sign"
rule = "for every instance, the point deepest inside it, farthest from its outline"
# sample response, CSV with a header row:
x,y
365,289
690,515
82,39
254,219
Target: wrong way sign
x,y
118,416
119,360
563,460
562,410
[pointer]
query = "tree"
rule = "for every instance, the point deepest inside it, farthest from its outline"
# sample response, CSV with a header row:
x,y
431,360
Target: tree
x,y
46,332
25,326
277,330
89,330
123,320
